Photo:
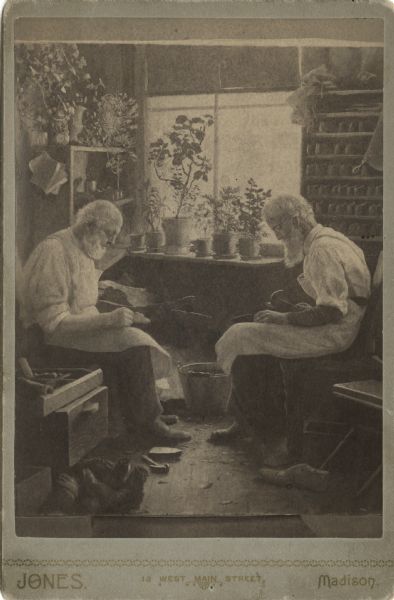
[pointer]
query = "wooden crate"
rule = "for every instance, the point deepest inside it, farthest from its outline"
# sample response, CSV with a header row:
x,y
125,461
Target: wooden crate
x,y
84,382
73,430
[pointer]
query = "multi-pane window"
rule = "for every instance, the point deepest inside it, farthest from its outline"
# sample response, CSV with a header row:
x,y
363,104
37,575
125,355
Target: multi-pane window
x,y
252,136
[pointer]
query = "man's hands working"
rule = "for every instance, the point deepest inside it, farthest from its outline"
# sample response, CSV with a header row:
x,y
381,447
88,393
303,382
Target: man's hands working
x,y
270,316
122,317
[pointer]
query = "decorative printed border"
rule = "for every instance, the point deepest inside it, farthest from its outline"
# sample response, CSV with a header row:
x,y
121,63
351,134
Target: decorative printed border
x,y
274,563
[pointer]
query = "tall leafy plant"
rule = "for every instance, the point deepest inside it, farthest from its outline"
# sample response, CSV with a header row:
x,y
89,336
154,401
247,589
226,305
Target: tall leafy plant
x,y
179,160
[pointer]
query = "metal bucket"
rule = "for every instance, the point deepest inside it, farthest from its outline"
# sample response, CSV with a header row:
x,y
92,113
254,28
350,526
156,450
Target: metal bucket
x,y
206,388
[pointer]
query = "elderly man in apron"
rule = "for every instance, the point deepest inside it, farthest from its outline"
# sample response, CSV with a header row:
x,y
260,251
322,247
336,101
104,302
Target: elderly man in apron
x,y
60,293
336,281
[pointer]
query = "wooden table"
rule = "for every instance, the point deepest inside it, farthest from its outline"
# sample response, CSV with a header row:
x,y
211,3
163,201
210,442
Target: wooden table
x,y
222,287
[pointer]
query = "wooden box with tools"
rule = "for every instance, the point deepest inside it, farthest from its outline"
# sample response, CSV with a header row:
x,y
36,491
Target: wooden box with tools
x,y
75,429
60,416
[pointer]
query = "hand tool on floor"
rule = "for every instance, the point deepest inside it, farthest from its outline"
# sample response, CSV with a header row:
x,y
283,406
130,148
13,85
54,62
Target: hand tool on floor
x,y
154,466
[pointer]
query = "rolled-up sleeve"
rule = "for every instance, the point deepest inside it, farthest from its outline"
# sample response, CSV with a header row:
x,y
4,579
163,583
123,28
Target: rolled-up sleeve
x,y
327,277
48,285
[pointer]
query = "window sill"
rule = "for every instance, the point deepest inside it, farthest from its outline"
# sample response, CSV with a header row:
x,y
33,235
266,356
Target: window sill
x,y
191,258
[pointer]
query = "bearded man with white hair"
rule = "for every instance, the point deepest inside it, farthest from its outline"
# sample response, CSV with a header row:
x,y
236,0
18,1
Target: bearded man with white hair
x,y
336,281
59,295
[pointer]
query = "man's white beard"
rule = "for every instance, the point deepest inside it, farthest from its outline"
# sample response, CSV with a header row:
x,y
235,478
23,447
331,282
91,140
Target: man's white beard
x,y
93,247
294,249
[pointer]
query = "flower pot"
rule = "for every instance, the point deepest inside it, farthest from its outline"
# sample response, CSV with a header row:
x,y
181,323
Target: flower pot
x,y
117,195
77,123
61,134
91,185
203,247
154,241
137,242
249,248
37,138
272,249
225,244
177,232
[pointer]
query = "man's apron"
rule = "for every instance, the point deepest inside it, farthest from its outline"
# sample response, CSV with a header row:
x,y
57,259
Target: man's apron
x,y
106,339
290,341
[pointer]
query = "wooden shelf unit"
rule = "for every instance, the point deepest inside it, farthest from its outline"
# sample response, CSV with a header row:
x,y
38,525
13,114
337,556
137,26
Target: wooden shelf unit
x,y
344,127
89,196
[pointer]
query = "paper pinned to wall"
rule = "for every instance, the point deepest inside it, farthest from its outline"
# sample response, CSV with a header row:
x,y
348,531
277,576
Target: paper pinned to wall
x,y
48,174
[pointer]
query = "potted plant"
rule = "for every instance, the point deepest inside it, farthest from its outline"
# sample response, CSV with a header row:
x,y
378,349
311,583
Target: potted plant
x,y
179,161
116,163
251,220
226,212
152,212
203,215
112,123
52,81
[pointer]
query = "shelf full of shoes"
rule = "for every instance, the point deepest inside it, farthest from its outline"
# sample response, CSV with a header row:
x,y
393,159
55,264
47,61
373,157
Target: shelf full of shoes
x,y
346,193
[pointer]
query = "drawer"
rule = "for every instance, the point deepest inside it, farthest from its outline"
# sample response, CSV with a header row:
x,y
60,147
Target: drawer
x,y
75,429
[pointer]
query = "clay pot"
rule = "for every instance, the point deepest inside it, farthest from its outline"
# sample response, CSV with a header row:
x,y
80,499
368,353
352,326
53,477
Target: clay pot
x,y
177,233
37,138
137,241
203,247
249,248
154,241
225,244
91,185
272,249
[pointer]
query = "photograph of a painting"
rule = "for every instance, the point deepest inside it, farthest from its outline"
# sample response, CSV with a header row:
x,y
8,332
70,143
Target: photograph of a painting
x,y
162,191
196,232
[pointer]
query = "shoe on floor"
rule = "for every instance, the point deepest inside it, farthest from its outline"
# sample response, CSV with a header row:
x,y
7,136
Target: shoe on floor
x,y
169,419
160,430
223,436
301,475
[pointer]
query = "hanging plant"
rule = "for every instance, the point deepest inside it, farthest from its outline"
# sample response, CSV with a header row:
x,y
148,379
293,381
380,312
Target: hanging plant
x,y
52,80
113,122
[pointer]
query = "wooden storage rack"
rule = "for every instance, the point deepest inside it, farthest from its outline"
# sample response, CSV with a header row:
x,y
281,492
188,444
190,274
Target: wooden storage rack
x,y
351,203
74,151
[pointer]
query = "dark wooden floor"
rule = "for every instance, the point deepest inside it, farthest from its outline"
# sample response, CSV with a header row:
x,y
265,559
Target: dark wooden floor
x,y
215,480
215,491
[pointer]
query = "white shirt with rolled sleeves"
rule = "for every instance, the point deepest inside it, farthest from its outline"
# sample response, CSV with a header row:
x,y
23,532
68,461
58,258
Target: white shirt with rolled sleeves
x,y
60,279
334,272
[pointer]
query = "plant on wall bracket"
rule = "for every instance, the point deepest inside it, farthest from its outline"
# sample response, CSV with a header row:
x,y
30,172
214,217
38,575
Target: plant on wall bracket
x,y
179,160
